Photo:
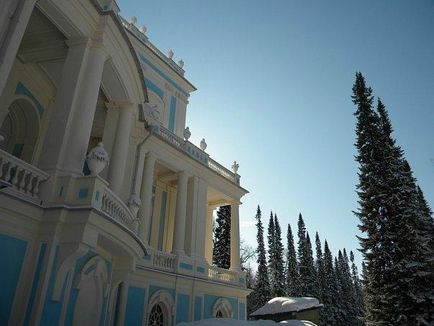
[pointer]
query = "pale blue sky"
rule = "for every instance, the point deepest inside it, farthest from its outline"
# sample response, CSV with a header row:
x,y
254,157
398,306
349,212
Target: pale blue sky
x,y
274,83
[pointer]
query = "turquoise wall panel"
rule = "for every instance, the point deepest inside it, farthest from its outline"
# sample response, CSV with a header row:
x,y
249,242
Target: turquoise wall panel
x,y
242,311
162,74
152,87
35,283
182,308
135,305
11,262
197,308
52,309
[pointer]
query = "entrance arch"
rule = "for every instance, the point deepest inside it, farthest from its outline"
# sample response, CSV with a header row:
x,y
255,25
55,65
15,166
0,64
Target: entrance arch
x,y
20,129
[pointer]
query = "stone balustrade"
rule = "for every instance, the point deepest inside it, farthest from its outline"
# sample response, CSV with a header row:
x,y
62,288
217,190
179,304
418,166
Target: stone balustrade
x,y
21,177
222,275
196,153
116,208
163,260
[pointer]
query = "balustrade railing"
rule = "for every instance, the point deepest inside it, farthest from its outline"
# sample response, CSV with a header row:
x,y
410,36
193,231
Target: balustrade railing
x,y
164,260
22,177
116,208
220,169
222,275
197,154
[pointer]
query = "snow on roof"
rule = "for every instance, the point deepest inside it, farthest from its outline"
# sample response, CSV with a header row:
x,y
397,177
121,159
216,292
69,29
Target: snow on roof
x,y
234,322
287,304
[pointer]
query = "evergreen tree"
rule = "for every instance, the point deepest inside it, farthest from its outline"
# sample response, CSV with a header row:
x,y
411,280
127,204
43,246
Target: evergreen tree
x,y
357,291
275,258
278,288
396,240
222,238
319,264
292,277
271,253
330,294
306,267
261,293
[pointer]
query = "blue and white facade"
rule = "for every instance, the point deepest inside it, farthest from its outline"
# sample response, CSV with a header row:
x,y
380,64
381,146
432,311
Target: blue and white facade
x,y
106,207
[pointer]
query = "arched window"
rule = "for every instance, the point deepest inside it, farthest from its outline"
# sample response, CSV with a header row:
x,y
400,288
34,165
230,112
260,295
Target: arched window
x,y
222,308
156,316
160,309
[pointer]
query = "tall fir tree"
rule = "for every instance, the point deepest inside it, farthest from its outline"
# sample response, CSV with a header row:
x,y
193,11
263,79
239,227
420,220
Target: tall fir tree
x,y
330,294
369,191
261,292
292,277
278,288
271,246
410,236
222,238
319,265
308,279
396,242
357,291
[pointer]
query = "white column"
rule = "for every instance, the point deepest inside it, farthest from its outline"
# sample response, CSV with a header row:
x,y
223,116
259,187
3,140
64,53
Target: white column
x,y
235,238
181,208
208,235
145,211
14,17
192,216
201,220
71,118
118,157
122,304
81,124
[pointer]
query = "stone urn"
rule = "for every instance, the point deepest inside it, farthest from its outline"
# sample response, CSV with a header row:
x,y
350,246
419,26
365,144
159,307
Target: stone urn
x,y
187,133
203,144
134,203
97,159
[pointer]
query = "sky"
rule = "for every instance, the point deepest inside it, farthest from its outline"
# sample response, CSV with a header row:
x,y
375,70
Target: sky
x,y
274,83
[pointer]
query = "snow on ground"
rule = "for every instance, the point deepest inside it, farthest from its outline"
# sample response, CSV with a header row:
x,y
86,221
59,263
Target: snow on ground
x,y
287,304
234,322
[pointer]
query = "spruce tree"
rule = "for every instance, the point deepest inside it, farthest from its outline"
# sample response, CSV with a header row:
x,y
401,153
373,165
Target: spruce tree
x,y
409,235
330,294
370,194
261,293
222,238
292,277
319,264
278,288
357,291
306,267
396,242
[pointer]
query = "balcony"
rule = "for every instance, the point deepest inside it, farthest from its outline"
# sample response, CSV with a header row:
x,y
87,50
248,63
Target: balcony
x,y
196,153
163,261
20,178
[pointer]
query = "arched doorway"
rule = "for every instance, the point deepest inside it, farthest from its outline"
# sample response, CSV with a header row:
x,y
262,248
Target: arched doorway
x,y
20,130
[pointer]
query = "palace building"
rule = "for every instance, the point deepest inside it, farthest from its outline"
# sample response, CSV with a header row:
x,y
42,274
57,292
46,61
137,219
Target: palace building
x,y
106,207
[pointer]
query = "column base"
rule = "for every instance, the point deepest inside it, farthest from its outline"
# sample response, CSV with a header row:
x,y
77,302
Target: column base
x,y
235,269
